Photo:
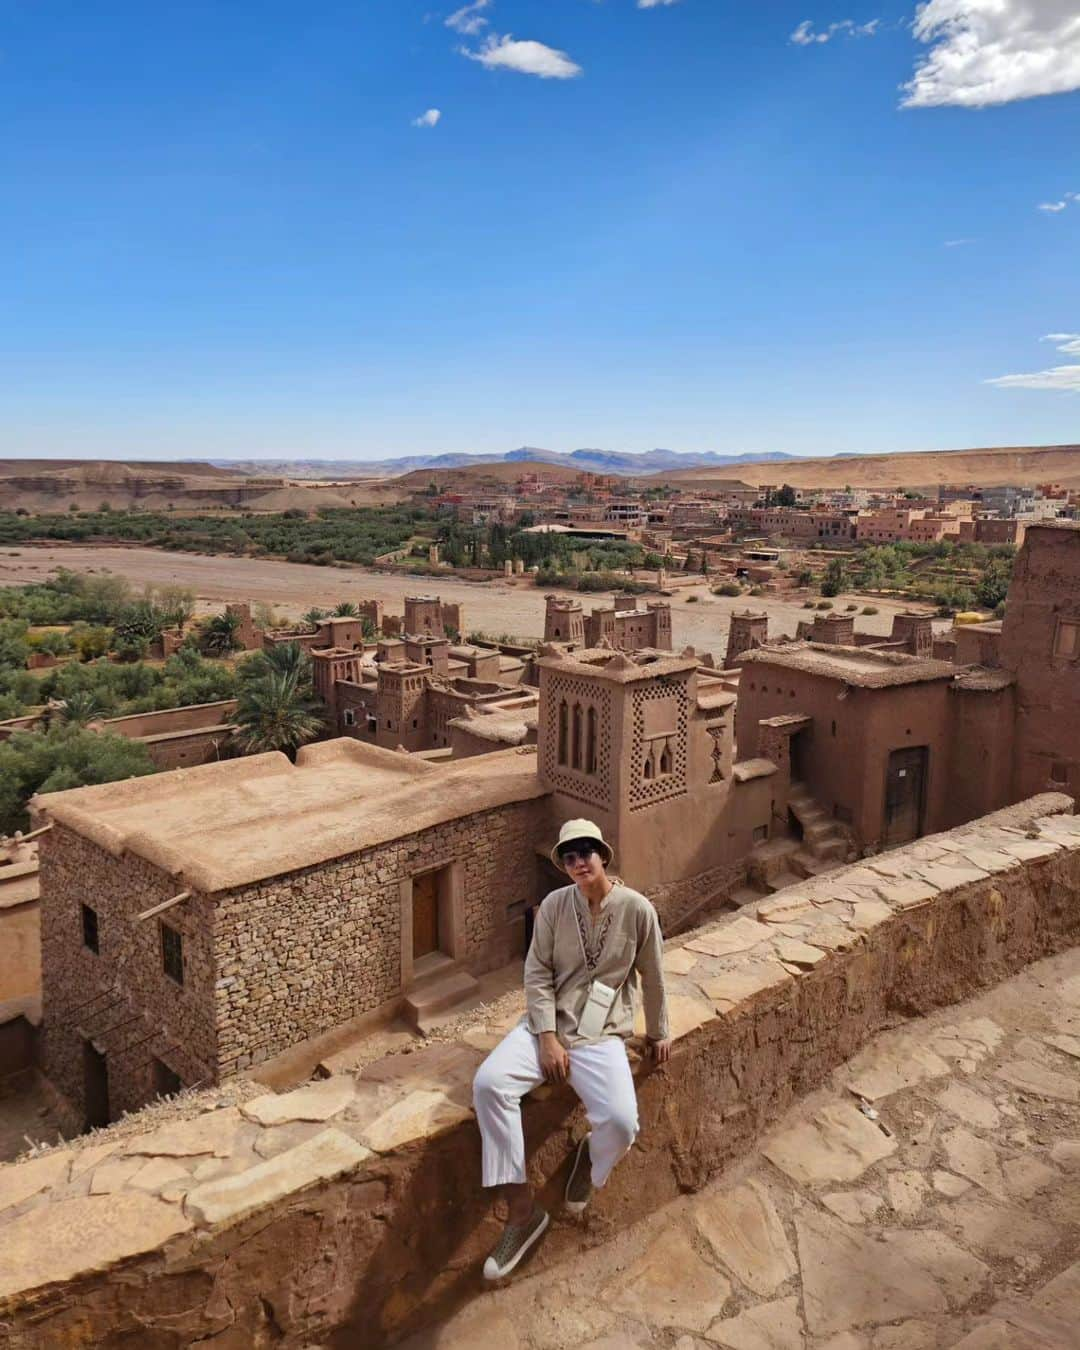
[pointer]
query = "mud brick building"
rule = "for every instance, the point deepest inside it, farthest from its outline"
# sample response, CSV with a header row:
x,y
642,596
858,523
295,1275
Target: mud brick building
x,y
896,745
624,626
201,921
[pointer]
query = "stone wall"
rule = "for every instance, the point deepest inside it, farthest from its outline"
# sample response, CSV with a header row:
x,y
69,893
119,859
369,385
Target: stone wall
x,y
298,955
120,998
349,1211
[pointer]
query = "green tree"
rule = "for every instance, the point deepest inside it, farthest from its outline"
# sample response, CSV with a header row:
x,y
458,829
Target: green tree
x,y
275,713
994,583
786,496
64,756
345,610
835,577
219,634
313,617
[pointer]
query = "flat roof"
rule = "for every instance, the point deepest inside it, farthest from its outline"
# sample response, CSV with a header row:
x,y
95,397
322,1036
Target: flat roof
x,y
237,822
619,667
859,666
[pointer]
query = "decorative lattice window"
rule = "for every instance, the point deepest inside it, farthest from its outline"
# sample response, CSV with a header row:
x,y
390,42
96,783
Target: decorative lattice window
x,y
590,704
661,713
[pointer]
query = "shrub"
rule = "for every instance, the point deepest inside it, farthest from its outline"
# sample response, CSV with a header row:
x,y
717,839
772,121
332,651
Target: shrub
x,y
851,608
691,599
824,604
809,604
728,588
871,609
757,590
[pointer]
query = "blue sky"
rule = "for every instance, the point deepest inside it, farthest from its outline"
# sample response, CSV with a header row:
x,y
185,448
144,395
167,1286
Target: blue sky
x,y
630,226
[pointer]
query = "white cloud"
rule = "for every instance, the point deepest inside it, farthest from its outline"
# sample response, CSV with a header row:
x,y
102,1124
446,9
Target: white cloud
x,y
957,243
653,4
429,119
468,19
994,51
806,35
526,57
1063,379
1054,207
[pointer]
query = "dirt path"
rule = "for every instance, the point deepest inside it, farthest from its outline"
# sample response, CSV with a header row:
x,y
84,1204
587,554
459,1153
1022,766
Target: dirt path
x,y
496,607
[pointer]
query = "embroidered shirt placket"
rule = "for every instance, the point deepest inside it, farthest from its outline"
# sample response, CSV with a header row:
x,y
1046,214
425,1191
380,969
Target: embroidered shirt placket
x,y
592,943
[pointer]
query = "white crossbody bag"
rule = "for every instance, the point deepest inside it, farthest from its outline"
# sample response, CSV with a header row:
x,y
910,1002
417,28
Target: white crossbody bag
x,y
594,1015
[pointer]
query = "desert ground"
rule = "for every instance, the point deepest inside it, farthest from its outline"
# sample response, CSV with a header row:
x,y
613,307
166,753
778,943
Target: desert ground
x,y
496,607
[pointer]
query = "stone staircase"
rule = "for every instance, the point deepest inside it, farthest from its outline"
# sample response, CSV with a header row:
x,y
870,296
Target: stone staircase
x,y
440,987
824,844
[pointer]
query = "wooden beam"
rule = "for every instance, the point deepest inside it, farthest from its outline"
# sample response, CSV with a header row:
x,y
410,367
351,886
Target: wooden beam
x,y
165,904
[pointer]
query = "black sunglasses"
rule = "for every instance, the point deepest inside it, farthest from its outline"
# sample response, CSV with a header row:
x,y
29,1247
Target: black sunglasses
x,y
577,853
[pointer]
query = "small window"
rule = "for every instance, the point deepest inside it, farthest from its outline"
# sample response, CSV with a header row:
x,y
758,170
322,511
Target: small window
x,y
172,953
1059,772
761,833
1067,639
90,928
167,1083
349,717
372,725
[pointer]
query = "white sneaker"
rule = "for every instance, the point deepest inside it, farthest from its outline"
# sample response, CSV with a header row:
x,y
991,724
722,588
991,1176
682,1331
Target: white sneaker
x,y
516,1240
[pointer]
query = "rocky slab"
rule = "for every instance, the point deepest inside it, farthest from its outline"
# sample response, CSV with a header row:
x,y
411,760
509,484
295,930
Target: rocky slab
x,y
328,1155
82,1236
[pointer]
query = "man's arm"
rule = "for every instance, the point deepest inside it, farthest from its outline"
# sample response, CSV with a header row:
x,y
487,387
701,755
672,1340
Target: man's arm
x,y
649,965
540,974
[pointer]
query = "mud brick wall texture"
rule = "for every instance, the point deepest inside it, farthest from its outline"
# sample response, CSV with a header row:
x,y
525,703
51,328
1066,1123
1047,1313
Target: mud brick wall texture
x,y
120,996
372,1224
300,954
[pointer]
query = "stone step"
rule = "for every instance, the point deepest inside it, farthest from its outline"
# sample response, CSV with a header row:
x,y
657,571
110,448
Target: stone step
x,y
783,879
818,829
813,866
423,1005
746,895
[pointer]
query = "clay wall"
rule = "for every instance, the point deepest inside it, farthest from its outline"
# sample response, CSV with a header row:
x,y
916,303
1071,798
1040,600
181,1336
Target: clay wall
x,y
981,725
20,948
299,955
370,1231
843,756
1040,642
120,997
423,614
977,644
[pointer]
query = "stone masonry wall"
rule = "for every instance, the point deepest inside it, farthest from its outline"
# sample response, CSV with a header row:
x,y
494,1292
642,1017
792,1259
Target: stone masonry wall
x,y
349,1212
121,997
301,954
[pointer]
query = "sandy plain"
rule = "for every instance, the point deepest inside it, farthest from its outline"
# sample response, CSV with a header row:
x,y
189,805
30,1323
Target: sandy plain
x,y
496,607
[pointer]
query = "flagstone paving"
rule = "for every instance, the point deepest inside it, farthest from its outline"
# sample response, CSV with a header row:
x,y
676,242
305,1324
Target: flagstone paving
x,y
929,1199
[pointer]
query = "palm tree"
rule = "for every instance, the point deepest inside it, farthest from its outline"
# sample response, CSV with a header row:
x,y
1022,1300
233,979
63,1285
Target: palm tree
x,y
79,708
219,634
274,712
313,617
346,610
283,658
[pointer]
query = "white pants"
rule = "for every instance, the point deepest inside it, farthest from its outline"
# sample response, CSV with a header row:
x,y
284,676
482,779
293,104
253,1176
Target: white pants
x,y
599,1074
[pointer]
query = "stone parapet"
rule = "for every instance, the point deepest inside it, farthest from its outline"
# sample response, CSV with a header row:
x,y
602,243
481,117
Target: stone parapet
x,y
352,1205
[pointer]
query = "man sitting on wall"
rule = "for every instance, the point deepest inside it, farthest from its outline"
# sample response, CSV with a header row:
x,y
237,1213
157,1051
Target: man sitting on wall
x,y
590,941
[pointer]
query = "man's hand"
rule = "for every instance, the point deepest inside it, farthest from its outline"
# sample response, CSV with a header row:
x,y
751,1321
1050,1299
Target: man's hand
x,y
554,1061
661,1051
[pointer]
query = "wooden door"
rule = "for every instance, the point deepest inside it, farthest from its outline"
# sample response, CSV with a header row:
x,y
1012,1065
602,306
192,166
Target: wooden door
x,y
905,790
425,915
95,1087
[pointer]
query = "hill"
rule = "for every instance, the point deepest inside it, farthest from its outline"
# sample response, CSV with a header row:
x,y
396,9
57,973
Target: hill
x,y
988,467
50,486
480,477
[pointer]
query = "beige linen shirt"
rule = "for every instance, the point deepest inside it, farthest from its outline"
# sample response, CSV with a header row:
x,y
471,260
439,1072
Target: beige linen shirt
x,y
568,952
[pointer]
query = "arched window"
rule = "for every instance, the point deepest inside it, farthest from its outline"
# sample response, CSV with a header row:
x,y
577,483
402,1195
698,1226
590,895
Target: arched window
x,y
575,744
564,727
590,741
665,759
648,773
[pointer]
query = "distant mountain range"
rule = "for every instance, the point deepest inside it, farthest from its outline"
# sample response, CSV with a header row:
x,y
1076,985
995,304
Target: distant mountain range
x,y
591,461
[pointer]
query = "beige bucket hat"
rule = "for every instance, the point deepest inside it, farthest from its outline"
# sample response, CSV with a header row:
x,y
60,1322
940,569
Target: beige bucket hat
x,y
582,829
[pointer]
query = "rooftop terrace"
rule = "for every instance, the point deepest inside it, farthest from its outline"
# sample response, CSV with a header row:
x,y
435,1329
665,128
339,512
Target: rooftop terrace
x,y
241,821
853,665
